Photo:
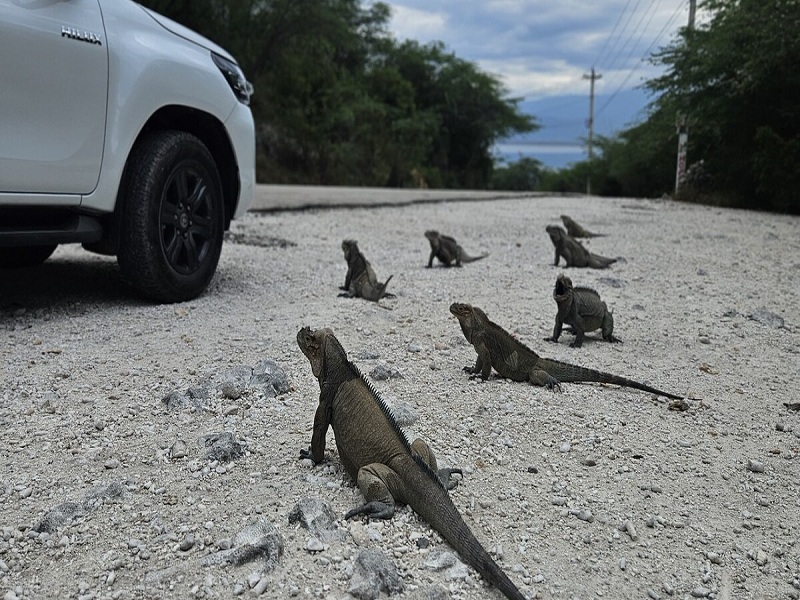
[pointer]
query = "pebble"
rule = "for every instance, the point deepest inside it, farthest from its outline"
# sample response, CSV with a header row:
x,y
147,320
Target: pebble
x,y
314,545
261,586
230,391
590,461
701,592
179,449
755,466
564,447
652,594
111,463
714,558
584,515
187,543
628,528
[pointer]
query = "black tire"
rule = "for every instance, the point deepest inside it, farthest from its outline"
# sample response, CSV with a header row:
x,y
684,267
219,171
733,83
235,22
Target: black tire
x,y
17,257
173,217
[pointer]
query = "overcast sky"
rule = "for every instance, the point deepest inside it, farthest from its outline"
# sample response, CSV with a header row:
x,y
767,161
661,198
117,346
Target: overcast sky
x,y
541,49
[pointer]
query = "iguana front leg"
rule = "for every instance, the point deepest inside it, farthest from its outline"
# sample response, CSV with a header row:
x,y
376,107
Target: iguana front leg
x,y
376,482
556,331
321,422
347,279
430,258
483,364
558,255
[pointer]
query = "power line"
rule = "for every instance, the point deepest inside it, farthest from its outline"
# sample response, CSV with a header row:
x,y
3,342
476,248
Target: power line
x,y
611,35
599,60
667,25
638,30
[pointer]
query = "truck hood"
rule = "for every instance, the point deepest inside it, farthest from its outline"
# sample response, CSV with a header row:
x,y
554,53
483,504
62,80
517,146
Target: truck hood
x,y
187,33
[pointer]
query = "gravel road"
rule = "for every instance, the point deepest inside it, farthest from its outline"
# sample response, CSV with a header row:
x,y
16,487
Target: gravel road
x,y
153,451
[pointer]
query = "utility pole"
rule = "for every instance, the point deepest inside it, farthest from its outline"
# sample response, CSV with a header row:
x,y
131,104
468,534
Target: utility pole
x,y
591,77
682,121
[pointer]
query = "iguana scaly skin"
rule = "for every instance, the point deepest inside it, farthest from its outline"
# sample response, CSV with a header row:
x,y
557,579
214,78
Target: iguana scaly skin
x,y
447,250
583,310
575,255
576,230
375,452
513,360
361,281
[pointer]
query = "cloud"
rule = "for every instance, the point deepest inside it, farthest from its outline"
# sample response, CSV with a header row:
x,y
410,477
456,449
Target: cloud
x,y
417,24
540,49
543,46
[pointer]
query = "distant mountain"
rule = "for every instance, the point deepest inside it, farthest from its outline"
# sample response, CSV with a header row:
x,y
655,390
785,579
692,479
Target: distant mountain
x,y
563,136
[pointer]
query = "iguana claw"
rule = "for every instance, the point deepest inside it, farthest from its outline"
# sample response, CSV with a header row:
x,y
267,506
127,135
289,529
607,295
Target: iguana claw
x,y
373,510
446,475
553,385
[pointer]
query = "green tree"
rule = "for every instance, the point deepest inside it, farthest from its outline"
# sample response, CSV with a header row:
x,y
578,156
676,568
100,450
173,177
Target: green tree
x,y
470,107
736,78
521,175
339,101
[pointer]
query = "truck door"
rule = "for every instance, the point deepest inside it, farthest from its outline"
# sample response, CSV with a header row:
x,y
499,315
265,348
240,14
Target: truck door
x,y
53,96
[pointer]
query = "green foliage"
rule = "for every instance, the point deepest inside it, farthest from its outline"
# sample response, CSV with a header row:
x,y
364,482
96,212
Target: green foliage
x,y
522,175
736,77
339,101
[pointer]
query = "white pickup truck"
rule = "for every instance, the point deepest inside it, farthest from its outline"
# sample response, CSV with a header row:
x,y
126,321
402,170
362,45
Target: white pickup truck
x,y
123,131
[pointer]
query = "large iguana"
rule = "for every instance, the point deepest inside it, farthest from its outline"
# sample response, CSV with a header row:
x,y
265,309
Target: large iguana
x,y
576,230
361,281
583,310
375,452
513,360
447,250
575,255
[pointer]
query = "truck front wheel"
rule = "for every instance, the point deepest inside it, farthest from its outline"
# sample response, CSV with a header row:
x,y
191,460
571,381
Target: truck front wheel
x,y
173,217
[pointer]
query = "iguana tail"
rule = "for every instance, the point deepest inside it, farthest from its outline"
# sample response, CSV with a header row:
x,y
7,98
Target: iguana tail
x,y
567,373
438,510
466,258
600,262
383,288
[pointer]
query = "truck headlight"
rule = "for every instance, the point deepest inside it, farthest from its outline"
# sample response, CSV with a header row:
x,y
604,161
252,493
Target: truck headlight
x,y
242,88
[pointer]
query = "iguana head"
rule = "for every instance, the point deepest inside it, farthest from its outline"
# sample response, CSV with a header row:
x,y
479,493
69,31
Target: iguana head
x,y
555,232
349,247
563,288
312,344
463,312
432,234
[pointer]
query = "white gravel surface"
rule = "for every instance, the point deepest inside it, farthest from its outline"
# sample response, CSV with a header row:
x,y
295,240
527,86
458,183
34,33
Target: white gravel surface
x,y
594,492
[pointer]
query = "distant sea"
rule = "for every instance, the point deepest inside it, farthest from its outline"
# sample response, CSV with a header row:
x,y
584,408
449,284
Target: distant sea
x,y
553,156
